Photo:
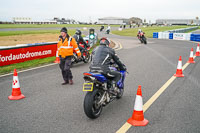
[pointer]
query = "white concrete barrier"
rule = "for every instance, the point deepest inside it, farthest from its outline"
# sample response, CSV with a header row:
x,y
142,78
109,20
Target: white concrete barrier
x,y
160,35
163,35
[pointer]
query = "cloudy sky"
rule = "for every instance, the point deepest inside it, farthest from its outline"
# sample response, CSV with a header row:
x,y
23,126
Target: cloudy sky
x,y
84,10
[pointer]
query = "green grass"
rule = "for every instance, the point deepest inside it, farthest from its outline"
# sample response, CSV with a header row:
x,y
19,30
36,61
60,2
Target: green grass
x,y
27,64
47,25
11,33
148,30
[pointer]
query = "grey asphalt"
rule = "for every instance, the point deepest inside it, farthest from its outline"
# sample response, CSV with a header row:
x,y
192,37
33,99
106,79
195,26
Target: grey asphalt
x,y
51,107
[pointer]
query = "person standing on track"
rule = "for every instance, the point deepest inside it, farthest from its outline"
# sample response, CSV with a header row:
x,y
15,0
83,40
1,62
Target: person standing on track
x,y
66,46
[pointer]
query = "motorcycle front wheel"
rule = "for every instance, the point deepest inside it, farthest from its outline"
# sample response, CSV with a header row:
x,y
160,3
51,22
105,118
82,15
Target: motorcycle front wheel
x,y
91,107
144,40
141,40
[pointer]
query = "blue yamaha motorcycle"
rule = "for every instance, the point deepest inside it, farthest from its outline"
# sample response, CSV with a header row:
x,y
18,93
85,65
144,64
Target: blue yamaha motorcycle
x,y
99,94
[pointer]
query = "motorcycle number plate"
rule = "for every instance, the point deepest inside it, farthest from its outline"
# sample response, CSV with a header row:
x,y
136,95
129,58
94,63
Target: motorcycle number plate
x,y
88,87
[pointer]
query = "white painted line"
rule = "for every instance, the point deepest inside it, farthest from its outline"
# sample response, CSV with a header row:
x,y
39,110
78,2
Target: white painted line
x,y
124,128
127,126
118,45
29,69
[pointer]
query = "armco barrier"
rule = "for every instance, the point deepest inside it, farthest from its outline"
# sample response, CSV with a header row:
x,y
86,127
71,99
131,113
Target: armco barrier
x,y
183,30
17,54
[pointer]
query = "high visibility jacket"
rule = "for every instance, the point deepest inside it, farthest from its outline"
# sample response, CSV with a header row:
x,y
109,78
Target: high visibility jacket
x,y
67,47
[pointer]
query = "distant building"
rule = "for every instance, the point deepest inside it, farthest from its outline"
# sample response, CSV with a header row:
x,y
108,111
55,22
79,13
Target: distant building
x,y
178,21
113,20
19,20
5,22
120,21
135,20
64,21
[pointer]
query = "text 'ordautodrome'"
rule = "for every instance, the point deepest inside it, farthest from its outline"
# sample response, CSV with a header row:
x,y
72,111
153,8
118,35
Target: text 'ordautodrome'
x,y
12,57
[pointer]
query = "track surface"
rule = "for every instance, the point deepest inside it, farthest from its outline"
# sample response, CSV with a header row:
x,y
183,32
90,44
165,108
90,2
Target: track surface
x,y
51,107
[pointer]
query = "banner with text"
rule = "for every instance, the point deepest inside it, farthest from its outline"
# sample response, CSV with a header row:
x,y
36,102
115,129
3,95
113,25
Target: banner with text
x,y
181,36
20,54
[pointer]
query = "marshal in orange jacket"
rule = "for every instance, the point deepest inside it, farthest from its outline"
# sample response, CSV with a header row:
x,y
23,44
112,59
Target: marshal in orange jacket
x,y
67,47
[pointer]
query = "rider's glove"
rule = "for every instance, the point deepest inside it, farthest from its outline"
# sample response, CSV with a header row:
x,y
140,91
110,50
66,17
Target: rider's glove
x,y
60,37
124,68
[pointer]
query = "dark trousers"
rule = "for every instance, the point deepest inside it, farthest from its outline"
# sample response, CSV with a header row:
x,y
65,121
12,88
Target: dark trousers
x,y
65,64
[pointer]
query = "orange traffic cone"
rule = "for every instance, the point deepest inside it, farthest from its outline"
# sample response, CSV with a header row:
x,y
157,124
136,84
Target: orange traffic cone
x,y
57,58
197,51
16,93
179,72
137,118
191,59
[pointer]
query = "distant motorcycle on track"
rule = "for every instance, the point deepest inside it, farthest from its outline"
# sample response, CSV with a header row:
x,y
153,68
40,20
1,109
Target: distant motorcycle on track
x,y
101,29
107,31
142,38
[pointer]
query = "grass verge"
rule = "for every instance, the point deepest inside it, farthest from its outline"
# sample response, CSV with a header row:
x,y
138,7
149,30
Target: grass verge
x,y
148,30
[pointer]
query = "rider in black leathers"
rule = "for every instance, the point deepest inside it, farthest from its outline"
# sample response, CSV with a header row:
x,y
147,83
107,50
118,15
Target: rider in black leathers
x,y
79,39
101,60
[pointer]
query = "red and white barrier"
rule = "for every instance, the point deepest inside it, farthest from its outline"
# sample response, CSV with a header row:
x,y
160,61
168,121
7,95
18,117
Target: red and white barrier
x,y
17,54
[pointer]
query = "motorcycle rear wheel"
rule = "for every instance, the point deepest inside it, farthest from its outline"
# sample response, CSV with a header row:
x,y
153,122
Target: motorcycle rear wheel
x,y
91,109
87,57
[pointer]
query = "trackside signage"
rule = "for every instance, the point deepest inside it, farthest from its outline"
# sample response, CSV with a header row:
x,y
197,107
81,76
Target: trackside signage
x,y
20,54
181,36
